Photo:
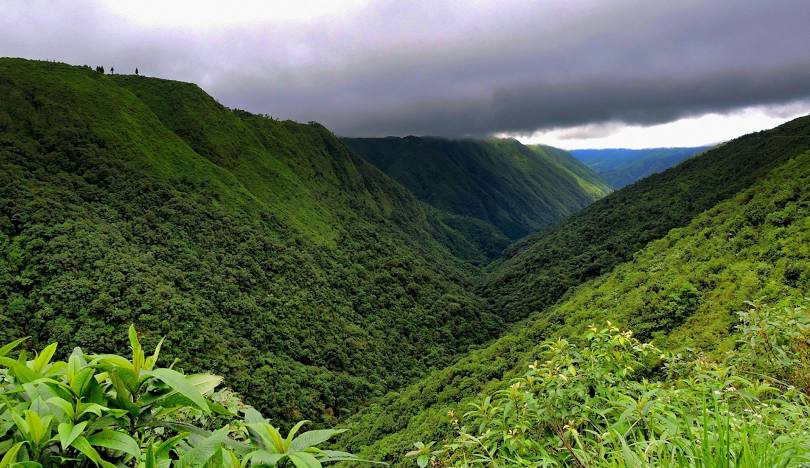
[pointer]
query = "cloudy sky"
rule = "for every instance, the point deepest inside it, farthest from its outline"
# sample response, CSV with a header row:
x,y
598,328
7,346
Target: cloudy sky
x,y
573,73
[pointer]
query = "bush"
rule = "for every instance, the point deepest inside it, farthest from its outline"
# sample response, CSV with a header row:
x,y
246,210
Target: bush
x,y
107,410
615,401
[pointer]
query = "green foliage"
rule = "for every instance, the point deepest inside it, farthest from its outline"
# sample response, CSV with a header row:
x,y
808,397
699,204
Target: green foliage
x,y
615,401
517,189
107,410
621,167
263,251
678,290
608,232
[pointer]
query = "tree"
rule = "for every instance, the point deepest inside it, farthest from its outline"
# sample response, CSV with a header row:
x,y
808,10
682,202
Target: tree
x,y
136,71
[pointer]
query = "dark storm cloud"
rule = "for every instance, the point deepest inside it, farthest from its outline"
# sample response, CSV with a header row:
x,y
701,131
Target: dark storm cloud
x,y
457,68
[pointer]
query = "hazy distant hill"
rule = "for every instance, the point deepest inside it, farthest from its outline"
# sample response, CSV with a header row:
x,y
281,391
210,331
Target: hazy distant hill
x,y
620,167
517,188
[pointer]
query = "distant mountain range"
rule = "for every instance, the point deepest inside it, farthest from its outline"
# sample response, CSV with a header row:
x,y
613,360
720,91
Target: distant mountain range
x,y
620,167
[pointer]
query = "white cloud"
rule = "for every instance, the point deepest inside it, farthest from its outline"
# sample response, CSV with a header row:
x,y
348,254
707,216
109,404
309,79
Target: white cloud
x,y
701,130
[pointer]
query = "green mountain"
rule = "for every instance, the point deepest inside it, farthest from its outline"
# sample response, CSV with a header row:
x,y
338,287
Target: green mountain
x,y
537,271
682,290
516,188
262,250
620,167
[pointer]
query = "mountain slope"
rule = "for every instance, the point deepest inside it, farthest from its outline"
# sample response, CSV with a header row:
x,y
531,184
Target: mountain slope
x,y
537,271
513,187
682,291
262,250
620,167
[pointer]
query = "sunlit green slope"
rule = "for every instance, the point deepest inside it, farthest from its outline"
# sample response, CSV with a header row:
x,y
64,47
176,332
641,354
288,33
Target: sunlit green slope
x,y
681,291
538,270
516,188
262,250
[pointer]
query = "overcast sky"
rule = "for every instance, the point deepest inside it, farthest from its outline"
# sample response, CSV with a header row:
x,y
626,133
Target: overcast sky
x,y
573,73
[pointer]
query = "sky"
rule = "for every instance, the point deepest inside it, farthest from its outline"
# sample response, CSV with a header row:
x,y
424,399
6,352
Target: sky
x,y
570,73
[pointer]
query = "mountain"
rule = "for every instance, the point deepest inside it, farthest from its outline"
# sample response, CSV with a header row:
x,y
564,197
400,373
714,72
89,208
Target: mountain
x,y
608,232
682,290
516,188
263,250
620,167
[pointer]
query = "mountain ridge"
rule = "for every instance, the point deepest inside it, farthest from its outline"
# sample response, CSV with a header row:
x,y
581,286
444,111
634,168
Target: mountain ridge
x,y
516,188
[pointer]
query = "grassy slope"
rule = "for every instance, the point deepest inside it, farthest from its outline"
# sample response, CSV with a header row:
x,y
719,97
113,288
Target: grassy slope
x,y
609,231
681,290
263,250
515,188
622,167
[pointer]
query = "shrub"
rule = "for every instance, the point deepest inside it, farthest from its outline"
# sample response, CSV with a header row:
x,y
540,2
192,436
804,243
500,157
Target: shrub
x,y
615,401
107,410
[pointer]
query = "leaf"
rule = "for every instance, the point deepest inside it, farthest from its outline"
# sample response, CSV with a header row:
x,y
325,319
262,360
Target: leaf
x,y
293,431
36,426
63,405
84,447
205,383
81,381
44,357
116,441
19,370
137,351
313,438
152,360
68,433
11,455
304,460
10,347
205,449
180,384
263,457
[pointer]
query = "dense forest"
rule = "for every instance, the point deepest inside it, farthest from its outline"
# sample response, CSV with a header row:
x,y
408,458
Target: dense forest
x,y
388,307
262,250
516,188
621,167
608,232
683,291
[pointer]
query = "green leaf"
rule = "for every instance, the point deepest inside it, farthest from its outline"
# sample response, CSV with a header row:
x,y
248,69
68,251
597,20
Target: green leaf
x,y
10,347
313,438
304,460
68,433
152,360
84,447
63,405
263,457
11,455
138,358
179,383
116,441
44,357
205,383
203,450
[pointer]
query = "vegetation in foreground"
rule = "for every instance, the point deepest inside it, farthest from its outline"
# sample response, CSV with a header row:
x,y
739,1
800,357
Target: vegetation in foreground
x,y
612,400
107,410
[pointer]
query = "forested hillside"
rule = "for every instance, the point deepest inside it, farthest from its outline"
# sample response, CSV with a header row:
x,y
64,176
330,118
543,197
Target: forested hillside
x,y
620,167
683,291
262,250
516,188
538,270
